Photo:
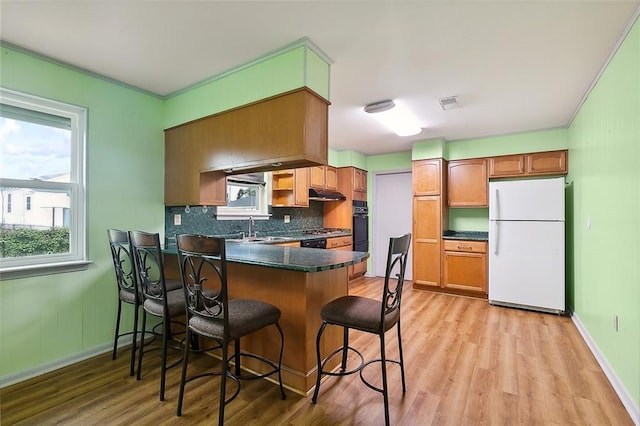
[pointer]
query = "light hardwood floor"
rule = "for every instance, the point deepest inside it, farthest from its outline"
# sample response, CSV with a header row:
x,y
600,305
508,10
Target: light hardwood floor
x,y
467,363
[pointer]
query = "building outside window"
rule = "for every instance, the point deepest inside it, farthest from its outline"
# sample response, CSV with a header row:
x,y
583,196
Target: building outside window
x,y
246,197
42,186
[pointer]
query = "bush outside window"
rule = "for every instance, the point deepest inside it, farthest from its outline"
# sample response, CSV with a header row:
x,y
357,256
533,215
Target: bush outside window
x,y
42,186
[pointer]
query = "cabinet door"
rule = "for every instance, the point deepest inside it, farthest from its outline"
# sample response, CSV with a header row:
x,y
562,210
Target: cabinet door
x,y
426,177
427,234
301,189
330,178
317,177
357,270
183,182
506,165
290,188
359,180
467,183
465,271
547,163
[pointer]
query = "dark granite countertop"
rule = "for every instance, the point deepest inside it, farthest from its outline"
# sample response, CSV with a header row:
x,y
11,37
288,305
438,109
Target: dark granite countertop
x,y
466,235
290,258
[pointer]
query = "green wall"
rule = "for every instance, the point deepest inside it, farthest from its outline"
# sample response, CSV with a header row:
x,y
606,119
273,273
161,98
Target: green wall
x,y
296,65
604,148
56,317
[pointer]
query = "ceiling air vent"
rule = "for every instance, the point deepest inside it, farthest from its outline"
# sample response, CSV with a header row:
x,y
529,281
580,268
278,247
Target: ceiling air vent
x,y
449,103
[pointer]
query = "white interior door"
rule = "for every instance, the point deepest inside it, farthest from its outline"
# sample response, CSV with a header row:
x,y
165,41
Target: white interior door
x,y
392,199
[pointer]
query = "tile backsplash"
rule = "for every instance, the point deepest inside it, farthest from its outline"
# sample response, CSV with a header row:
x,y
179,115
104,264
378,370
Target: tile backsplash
x,y
205,223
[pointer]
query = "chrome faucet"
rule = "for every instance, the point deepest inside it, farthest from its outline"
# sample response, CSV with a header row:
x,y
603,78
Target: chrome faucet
x,y
251,223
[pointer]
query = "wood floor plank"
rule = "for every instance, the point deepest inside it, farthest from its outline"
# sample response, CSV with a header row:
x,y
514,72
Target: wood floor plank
x,y
467,362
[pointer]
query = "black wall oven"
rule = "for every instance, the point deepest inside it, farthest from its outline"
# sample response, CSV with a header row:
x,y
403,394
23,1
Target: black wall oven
x,y
360,226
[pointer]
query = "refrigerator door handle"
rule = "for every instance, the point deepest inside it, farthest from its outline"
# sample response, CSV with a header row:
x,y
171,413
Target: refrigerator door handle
x,y
497,204
496,236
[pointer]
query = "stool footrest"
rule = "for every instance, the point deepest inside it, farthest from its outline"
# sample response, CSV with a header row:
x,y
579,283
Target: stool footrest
x,y
369,385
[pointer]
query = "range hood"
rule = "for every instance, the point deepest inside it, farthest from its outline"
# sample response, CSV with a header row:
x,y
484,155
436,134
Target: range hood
x,y
324,195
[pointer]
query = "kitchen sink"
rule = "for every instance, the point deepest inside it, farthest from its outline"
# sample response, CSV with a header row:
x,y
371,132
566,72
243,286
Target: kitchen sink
x,y
259,239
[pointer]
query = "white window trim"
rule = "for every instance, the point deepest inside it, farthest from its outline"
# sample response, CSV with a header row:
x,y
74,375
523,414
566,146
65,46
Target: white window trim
x,y
231,213
76,259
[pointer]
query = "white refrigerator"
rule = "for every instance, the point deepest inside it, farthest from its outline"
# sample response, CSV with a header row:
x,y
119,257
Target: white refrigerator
x,y
527,244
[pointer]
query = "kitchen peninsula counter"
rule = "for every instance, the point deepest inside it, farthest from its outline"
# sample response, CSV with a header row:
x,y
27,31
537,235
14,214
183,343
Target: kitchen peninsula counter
x,y
299,281
291,258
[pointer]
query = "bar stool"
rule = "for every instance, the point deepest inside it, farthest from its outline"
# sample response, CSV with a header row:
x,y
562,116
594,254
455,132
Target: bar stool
x,y
161,298
369,316
128,290
211,314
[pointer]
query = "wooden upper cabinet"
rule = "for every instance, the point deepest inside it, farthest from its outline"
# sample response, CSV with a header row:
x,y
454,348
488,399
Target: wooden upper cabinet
x,y
316,177
184,184
359,180
467,183
533,164
323,177
331,178
427,177
290,188
287,130
547,163
506,165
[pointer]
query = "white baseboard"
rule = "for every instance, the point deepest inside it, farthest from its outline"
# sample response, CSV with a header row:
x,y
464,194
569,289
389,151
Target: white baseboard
x,y
20,376
618,386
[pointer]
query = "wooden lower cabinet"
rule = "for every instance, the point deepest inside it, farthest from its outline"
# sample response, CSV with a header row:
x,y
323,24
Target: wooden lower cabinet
x,y
464,266
427,237
426,263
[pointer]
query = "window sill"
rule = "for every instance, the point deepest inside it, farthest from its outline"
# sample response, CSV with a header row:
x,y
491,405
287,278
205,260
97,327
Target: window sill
x,y
241,216
27,271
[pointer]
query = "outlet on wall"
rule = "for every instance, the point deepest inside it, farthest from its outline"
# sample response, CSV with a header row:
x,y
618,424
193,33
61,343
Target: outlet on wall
x,y
287,218
177,219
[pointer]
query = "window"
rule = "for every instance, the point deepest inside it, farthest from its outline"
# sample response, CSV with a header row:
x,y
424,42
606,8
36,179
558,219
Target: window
x,y
246,196
42,188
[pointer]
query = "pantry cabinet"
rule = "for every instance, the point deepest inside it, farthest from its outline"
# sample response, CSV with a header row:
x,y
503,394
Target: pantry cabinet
x,y
427,236
427,177
464,266
467,183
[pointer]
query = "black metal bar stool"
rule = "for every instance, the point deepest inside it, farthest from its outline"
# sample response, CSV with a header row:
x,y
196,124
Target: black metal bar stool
x,y
161,298
211,314
128,289
369,316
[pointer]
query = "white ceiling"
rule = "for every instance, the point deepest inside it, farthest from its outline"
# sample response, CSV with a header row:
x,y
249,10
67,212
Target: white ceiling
x,y
515,66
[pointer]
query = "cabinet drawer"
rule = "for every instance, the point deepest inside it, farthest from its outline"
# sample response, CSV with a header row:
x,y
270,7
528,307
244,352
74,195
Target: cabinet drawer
x,y
465,245
338,242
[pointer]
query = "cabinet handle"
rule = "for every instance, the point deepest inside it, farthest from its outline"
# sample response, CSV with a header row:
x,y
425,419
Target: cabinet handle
x,y
465,248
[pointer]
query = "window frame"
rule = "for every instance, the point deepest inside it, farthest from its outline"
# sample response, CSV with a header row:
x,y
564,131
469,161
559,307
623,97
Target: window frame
x,y
235,213
76,258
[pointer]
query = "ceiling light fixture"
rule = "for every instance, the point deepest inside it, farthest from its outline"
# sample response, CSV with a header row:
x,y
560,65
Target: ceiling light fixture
x,y
395,117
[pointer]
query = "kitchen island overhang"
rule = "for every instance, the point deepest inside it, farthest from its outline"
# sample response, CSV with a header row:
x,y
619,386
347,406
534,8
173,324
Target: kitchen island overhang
x,y
299,281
